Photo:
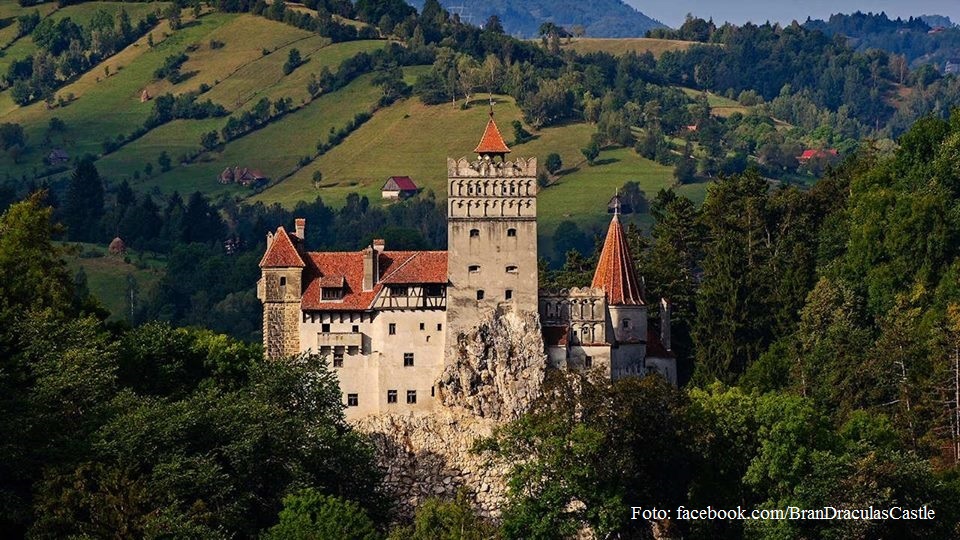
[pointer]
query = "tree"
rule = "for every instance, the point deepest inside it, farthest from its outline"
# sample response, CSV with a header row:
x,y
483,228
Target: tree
x,y
164,161
309,515
12,135
83,207
437,519
172,14
210,140
294,60
591,152
520,135
553,163
587,448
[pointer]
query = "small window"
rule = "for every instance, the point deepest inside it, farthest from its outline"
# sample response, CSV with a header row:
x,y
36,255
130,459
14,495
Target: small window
x,y
411,396
355,329
391,396
511,233
338,359
331,293
433,391
408,359
392,329
434,291
626,323
509,294
439,327
324,328
480,294
474,233
423,326
353,400
512,269
283,282
397,290
588,362
474,268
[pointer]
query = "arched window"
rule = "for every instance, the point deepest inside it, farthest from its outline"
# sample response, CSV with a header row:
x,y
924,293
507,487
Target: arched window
x,y
512,233
512,269
474,268
626,323
283,282
474,233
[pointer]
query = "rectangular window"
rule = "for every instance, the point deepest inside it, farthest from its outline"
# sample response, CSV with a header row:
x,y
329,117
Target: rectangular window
x,y
434,291
391,396
480,294
338,359
408,359
353,400
356,329
330,293
324,328
423,326
588,362
392,329
411,396
509,294
511,233
397,290
439,327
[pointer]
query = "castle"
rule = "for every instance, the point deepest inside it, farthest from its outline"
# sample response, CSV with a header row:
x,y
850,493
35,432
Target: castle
x,y
388,321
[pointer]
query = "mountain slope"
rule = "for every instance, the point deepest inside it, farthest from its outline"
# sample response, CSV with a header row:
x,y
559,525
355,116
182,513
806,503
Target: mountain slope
x,y
600,18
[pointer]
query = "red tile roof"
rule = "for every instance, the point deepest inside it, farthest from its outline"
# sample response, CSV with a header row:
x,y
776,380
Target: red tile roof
x,y
616,274
400,183
810,154
492,141
281,253
396,267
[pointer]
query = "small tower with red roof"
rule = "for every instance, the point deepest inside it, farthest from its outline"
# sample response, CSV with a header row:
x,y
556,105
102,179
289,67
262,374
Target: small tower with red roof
x,y
616,274
280,289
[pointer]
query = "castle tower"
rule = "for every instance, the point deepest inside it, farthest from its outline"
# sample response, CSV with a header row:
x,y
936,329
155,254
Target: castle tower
x,y
280,290
617,276
491,234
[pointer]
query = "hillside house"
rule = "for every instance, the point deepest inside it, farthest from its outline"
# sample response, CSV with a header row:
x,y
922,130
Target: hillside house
x,y
399,187
241,175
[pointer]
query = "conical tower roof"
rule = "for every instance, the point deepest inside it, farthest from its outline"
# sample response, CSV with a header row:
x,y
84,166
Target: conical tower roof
x,y
492,141
616,274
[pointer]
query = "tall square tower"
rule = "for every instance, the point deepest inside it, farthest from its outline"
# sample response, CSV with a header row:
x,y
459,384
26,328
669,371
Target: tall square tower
x,y
491,234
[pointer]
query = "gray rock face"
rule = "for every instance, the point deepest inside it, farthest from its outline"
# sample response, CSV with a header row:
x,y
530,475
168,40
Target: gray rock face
x,y
497,372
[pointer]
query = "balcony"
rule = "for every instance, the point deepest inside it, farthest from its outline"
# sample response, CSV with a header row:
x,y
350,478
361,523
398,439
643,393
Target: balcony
x,y
339,339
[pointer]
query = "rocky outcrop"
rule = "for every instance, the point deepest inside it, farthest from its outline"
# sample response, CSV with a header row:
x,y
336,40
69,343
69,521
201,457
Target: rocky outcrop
x,y
498,369
497,373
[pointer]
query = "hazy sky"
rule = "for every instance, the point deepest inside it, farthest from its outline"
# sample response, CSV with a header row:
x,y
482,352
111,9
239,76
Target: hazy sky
x,y
672,12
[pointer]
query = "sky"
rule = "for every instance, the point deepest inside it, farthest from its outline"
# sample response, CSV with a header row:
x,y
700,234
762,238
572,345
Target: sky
x,y
672,12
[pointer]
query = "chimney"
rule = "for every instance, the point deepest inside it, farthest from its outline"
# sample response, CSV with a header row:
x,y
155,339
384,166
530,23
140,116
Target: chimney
x,y
379,244
371,267
301,227
665,324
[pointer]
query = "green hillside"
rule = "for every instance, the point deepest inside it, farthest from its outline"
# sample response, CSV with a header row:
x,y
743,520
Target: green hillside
x,y
235,60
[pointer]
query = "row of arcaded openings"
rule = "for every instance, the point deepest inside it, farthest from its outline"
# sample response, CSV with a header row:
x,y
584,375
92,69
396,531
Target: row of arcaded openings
x,y
486,188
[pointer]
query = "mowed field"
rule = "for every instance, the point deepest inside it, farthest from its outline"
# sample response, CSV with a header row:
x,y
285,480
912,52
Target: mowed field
x,y
412,139
107,275
620,46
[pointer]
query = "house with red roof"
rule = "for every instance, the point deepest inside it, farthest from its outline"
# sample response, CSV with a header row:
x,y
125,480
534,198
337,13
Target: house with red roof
x,y
810,154
399,187
390,321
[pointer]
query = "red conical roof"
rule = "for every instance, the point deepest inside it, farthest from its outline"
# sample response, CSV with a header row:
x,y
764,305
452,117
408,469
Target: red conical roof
x,y
281,253
492,141
616,274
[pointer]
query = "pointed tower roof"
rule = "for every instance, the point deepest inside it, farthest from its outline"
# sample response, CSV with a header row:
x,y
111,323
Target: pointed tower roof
x,y
492,140
281,252
616,274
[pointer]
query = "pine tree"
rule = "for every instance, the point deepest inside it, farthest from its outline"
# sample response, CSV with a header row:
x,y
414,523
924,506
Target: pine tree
x,y
83,208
